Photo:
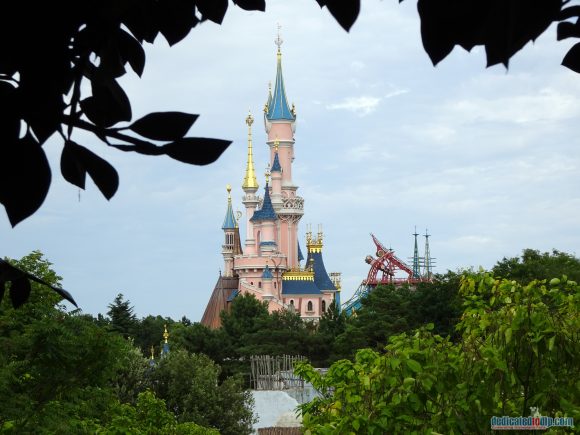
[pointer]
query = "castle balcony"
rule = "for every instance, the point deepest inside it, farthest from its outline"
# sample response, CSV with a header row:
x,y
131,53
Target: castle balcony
x,y
292,206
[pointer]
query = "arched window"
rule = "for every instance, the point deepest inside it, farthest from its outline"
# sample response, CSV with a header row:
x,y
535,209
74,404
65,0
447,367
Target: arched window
x,y
309,306
292,302
274,285
260,284
258,237
323,306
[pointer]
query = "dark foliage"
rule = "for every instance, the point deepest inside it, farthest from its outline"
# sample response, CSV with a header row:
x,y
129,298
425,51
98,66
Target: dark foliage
x,y
534,264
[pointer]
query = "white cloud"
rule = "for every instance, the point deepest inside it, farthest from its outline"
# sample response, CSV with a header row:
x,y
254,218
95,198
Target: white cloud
x,y
545,105
360,105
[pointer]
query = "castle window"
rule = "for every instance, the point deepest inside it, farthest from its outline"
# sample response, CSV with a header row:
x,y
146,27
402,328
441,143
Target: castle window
x,y
260,284
309,306
323,306
274,285
292,302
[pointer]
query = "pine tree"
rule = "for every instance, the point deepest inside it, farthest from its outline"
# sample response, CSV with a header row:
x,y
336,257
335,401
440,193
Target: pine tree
x,y
123,319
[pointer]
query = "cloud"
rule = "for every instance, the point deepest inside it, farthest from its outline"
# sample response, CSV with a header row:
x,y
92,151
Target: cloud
x,y
361,105
546,105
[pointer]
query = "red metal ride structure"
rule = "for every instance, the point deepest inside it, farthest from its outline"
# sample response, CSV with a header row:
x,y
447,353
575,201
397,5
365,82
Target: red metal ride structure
x,y
387,268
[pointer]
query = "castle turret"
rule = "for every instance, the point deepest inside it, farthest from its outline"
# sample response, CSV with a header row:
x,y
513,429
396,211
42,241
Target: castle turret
x,y
264,224
280,123
229,226
250,187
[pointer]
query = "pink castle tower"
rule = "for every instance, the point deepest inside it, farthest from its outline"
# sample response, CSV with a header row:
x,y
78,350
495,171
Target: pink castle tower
x,y
268,267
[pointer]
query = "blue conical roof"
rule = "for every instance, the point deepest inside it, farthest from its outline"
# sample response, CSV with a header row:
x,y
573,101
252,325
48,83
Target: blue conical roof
x,y
267,274
278,108
321,278
267,211
276,165
229,220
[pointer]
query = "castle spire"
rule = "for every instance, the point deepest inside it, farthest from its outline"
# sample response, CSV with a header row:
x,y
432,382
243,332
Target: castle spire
x,y
165,350
250,181
230,222
278,108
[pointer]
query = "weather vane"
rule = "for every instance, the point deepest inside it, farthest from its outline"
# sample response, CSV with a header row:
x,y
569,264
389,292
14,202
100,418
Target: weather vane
x,y
278,41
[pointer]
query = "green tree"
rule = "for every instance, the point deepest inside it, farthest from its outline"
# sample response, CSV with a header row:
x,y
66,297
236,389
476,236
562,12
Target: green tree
x,y
534,264
123,319
519,347
189,385
245,316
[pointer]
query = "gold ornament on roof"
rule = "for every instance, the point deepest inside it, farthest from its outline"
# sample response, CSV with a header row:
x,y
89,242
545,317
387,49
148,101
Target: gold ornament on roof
x,y
165,333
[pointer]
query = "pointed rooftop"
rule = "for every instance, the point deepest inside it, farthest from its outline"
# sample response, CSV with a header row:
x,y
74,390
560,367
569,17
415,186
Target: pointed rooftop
x,y
278,108
276,164
229,220
321,278
250,181
267,211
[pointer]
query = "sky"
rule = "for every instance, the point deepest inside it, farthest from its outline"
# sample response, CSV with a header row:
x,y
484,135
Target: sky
x,y
487,159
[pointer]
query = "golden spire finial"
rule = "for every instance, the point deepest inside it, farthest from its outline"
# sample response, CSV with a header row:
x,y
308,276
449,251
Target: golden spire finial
x,y
152,352
229,189
276,143
250,181
165,333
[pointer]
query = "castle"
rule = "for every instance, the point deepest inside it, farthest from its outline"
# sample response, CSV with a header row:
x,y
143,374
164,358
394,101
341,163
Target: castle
x,y
268,265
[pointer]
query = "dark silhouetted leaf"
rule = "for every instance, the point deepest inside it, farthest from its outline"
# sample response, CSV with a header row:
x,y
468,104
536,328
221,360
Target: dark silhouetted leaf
x,y
108,105
19,291
10,273
343,11
132,52
164,125
196,150
2,290
176,19
435,28
251,5
149,149
103,174
141,20
71,167
572,58
10,125
213,10
568,30
24,177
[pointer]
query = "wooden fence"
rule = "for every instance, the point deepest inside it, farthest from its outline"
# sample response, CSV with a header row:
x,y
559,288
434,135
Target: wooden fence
x,y
279,431
274,372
